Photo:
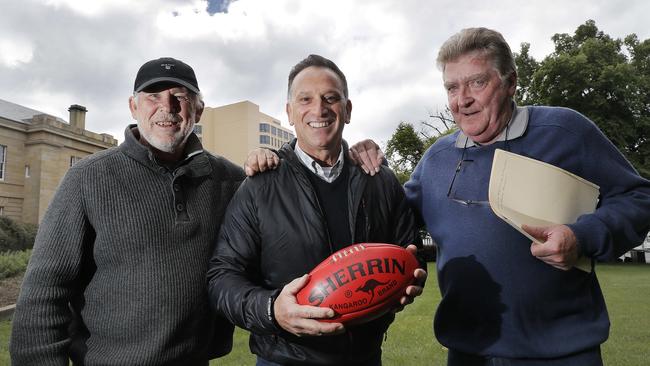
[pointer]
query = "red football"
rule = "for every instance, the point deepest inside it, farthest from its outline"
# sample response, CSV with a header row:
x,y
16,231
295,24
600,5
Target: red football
x,y
361,282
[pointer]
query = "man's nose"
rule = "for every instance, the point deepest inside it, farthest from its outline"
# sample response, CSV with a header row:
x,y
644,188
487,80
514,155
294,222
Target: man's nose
x,y
322,107
169,103
464,97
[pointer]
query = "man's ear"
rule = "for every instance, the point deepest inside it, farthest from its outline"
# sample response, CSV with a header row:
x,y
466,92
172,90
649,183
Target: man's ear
x,y
287,108
133,107
199,111
348,107
512,84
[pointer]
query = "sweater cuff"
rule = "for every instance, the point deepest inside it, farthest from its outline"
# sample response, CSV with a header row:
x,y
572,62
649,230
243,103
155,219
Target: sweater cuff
x,y
587,231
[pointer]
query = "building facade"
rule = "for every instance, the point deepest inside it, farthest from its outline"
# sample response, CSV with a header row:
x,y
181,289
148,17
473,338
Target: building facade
x,y
233,130
36,150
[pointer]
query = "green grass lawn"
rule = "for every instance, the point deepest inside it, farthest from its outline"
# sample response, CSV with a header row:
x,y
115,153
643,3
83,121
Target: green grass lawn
x,y
411,343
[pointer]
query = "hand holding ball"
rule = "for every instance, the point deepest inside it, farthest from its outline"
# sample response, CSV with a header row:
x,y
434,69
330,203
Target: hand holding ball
x,y
361,282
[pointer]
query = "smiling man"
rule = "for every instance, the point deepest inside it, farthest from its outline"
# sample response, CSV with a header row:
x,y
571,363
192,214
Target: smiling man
x,y
505,300
117,275
479,97
283,223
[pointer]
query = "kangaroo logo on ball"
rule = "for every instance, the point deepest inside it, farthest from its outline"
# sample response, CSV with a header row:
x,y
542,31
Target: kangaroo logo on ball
x,y
370,286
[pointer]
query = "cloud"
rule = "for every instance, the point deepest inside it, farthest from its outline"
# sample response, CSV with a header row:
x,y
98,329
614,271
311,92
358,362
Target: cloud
x,y
54,53
15,52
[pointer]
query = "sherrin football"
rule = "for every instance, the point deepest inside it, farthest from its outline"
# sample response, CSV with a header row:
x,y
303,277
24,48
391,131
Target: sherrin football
x,y
361,282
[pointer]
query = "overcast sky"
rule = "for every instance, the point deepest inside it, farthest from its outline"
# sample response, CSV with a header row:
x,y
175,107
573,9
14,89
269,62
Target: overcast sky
x,y
54,53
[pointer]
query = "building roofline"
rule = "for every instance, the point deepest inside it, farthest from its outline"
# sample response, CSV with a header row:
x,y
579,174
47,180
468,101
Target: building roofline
x,y
19,113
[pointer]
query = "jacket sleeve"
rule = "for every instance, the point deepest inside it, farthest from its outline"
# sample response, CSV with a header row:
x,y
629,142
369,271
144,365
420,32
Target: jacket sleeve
x,y
622,217
402,218
234,280
39,334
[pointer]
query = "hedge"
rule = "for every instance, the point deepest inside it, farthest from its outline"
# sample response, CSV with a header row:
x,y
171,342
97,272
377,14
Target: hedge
x,y
15,236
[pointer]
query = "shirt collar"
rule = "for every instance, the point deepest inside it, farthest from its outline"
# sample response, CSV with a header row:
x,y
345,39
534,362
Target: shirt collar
x,y
328,174
515,128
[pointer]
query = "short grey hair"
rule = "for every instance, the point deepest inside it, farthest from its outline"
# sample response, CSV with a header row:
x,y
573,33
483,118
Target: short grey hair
x,y
487,41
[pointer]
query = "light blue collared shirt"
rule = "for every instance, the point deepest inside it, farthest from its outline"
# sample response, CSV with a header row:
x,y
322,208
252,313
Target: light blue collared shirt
x,y
514,129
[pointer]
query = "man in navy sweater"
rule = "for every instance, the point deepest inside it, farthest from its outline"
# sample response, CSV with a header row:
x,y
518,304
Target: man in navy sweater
x,y
506,301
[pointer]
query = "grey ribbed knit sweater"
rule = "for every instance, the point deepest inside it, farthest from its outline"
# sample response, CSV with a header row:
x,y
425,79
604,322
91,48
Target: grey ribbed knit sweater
x,y
117,275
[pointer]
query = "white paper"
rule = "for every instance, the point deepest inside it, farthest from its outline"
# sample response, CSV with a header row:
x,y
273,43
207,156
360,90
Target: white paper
x,y
527,191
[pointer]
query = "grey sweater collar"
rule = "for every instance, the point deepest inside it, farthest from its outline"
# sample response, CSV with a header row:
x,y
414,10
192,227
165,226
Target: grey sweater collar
x,y
195,163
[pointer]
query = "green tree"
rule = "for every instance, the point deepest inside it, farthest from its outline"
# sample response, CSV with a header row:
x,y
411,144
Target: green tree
x,y
406,146
606,79
404,150
526,66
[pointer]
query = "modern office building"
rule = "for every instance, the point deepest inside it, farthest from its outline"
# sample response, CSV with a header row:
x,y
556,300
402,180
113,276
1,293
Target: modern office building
x,y
233,130
36,150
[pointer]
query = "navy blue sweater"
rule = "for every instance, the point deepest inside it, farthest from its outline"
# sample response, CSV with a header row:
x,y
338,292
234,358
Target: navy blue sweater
x,y
497,299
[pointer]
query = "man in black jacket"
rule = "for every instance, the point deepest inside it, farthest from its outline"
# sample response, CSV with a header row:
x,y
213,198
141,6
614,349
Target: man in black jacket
x,y
283,223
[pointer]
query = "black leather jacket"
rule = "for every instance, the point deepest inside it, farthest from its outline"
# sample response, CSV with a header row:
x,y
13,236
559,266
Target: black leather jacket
x,y
274,231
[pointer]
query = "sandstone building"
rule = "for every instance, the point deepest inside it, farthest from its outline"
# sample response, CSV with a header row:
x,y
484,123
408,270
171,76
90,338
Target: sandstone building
x,y
36,150
235,129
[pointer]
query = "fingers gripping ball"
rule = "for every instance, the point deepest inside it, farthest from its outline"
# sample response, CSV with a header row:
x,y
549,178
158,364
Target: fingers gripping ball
x,y
361,282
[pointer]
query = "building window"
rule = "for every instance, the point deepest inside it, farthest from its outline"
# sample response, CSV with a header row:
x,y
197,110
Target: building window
x,y
74,160
285,134
27,171
265,139
3,160
274,131
198,129
264,127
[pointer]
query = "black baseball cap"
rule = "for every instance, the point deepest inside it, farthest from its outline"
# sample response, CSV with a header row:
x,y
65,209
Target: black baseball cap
x,y
165,69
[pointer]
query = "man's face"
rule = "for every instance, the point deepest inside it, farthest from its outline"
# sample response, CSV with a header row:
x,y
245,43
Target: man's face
x,y
479,100
319,110
166,115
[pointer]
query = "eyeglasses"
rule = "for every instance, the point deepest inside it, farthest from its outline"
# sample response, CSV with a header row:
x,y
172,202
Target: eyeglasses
x,y
453,197
460,165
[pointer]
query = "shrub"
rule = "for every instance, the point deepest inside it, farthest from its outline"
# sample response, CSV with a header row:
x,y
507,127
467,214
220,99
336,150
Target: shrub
x,y
30,235
12,263
15,236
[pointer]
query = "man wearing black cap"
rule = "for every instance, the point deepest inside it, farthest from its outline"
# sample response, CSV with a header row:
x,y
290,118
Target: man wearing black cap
x,y
117,275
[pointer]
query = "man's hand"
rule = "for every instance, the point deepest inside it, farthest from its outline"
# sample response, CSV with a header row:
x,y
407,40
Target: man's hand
x,y
416,288
368,155
301,320
557,245
260,160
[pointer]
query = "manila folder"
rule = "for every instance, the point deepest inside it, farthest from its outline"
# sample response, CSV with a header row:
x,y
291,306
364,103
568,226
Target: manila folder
x,y
528,191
